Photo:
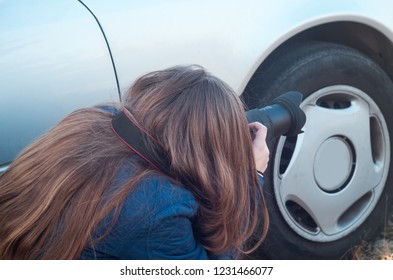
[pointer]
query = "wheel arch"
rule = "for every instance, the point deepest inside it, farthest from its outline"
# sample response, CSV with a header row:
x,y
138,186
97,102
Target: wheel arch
x,y
369,38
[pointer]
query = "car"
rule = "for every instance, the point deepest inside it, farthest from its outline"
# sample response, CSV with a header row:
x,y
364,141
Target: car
x,y
327,189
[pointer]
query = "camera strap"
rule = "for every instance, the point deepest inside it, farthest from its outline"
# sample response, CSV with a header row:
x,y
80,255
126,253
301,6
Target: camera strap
x,y
133,135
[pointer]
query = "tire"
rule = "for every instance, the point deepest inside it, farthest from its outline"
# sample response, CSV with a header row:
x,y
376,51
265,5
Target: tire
x,y
329,188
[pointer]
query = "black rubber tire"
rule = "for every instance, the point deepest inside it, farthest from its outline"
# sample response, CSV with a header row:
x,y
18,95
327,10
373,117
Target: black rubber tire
x,y
308,67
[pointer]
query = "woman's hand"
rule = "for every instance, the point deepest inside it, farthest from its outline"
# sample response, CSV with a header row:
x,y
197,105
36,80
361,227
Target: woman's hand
x,y
261,151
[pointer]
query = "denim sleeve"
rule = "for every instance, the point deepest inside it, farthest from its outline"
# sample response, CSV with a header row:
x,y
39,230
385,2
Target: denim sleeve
x,y
157,223
171,234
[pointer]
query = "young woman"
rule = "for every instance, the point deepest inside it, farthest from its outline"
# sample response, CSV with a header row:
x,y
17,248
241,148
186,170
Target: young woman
x,y
82,192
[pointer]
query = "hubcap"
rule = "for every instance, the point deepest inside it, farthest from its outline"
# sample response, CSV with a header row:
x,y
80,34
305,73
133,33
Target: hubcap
x,y
329,179
333,164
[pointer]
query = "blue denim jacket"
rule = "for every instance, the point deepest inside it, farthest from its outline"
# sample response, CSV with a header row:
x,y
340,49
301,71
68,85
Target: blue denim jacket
x,y
155,222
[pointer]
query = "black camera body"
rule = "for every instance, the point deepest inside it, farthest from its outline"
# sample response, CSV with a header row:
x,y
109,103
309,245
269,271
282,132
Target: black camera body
x,y
282,117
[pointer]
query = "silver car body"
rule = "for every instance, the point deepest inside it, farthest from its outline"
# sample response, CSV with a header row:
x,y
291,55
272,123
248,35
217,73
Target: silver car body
x,y
54,57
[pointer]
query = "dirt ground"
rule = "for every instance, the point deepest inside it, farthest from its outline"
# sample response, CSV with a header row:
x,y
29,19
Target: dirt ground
x,y
379,249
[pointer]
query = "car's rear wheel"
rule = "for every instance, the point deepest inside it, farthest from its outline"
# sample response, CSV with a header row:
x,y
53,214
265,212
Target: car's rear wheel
x,y
331,187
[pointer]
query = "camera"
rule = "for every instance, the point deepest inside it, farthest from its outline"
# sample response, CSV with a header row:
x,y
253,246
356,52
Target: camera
x,y
282,117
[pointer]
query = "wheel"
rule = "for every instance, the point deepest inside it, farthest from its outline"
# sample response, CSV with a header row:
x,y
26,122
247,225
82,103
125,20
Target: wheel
x,y
329,188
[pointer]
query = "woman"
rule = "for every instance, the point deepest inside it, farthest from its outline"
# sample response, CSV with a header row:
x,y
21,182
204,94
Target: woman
x,y
82,192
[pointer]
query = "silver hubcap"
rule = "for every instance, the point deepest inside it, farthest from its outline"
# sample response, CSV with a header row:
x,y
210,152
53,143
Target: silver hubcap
x,y
328,180
333,156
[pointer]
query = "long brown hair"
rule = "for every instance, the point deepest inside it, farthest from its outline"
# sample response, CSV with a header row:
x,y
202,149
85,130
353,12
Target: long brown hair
x,y
56,192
